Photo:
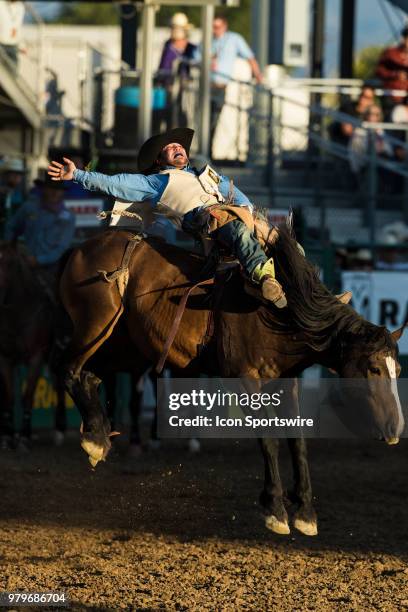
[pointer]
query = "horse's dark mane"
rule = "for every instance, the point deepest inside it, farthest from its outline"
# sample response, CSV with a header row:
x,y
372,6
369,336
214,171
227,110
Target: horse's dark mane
x,y
315,311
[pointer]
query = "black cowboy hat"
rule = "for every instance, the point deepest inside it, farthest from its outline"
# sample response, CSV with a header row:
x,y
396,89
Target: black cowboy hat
x,y
150,150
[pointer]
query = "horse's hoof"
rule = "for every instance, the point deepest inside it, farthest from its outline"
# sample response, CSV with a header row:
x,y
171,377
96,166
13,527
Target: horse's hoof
x,y
272,523
307,528
95,453
194,445
94,462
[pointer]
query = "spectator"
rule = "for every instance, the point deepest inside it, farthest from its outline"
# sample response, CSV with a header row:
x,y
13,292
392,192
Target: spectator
x,y
392,69
341,131
361,260
11,188
46,226
176,57
11,22
399,115
226,48
389,257
359,148
178,52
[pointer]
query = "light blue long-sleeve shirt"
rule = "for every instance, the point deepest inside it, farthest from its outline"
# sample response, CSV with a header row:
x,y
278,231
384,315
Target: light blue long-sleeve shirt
x,y
225,51
46,234
138,187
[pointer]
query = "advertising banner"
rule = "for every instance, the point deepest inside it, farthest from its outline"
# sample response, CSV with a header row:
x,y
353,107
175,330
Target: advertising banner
x,y
380,297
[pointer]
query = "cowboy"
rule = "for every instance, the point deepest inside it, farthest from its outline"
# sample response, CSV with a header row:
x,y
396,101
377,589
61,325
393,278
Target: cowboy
x,y
46,225
181,192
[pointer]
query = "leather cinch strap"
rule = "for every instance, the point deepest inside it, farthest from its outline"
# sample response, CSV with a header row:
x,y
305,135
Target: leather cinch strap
x,y
177,320
121,274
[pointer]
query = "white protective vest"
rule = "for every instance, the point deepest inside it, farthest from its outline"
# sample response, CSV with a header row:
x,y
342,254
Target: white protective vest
x,y
186,191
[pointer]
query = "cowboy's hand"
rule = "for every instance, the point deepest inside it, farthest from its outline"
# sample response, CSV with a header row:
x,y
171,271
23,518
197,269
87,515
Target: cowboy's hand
x,y
60,172
32,261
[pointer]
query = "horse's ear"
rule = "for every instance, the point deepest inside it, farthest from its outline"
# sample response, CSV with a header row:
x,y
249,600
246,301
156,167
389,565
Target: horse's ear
x,y
345,297
398,332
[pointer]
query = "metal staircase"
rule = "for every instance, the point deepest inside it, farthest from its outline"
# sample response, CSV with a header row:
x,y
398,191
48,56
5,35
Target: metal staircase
x,y
16,98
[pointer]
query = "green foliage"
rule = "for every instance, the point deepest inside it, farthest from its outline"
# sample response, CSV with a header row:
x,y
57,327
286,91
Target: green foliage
x,y
366,62
85,13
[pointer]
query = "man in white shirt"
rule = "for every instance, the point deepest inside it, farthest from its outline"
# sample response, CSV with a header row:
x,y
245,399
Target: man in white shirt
x,y
227,47
11,22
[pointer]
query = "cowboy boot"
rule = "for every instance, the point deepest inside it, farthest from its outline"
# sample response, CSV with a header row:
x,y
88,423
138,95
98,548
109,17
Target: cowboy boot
x,y
264,275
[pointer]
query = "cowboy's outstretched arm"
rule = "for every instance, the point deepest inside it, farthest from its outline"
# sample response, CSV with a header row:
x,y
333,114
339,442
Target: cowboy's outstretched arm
x,y
130,187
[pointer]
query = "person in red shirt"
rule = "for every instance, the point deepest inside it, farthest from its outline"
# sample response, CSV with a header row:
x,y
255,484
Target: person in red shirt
x,y
392,69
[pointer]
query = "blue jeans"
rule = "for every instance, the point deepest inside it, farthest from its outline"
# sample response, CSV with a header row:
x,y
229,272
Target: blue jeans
x,y
242,244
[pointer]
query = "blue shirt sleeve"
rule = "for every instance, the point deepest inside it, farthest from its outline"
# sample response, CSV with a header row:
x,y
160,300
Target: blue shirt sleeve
x,y
240,199
129,187
242,47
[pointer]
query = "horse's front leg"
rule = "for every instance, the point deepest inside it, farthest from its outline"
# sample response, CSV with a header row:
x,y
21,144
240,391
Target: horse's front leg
x,y
271,498
95,429
276,517
305,519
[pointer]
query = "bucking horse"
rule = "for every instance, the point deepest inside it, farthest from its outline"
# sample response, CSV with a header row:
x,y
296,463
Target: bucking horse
x,y
123,293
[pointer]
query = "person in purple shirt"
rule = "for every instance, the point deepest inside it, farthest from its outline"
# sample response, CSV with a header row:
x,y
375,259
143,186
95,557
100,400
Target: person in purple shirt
x,y
178,52
174,70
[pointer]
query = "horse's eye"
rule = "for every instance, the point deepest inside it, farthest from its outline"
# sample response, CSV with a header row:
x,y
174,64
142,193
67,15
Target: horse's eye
x,y
374,370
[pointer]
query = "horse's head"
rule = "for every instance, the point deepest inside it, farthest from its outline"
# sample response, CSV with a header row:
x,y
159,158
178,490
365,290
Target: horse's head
x,y
373,356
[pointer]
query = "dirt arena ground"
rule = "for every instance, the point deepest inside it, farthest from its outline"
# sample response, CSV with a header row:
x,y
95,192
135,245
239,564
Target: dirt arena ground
x,y
174,531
